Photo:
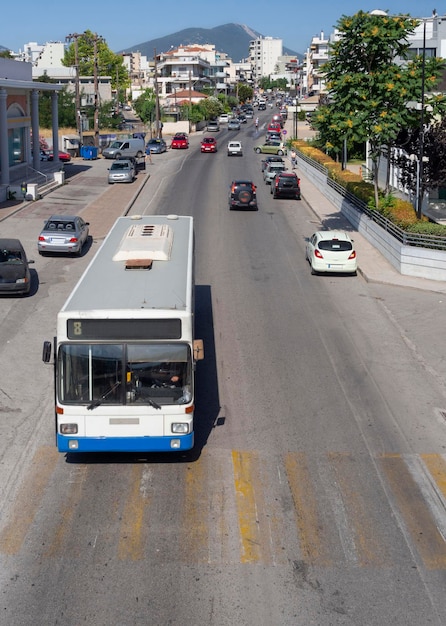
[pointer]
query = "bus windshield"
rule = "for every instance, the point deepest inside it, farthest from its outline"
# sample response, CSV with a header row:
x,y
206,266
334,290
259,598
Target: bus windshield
x,y
124,373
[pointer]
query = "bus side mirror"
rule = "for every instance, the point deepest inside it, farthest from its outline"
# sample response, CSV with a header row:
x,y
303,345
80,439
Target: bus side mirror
x,y
46,353
198,349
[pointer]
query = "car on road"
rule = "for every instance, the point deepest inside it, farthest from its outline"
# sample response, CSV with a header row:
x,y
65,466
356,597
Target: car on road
x,y
213,126
223,118
156,146
235,148
209,144
63,233
243,195
331,251
286,185
271,159
272,135
15,275
270,172
273,147
274,126
234,124
121,171
180,141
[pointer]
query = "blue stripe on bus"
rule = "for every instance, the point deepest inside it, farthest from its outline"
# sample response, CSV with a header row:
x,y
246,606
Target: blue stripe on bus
x,y
124,444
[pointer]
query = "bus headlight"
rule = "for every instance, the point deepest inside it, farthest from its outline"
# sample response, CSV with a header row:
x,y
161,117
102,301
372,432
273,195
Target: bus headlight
x,y
180,428
68,429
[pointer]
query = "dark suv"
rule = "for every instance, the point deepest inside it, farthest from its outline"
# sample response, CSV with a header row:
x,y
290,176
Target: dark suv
x,y
243,195
286,185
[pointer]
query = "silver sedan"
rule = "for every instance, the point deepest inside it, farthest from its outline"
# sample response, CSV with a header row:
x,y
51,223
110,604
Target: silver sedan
x,y
63,233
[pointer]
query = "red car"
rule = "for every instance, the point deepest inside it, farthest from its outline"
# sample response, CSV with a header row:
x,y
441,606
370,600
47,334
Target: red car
x,y
274,126
209,144
180,141
49,156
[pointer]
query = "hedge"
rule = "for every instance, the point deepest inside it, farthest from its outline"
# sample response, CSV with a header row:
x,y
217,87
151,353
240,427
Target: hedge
x,y
400,212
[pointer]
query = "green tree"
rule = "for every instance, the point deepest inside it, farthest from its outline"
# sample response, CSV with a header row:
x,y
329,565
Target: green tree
x,y
65,106
5,54
245,92
145,106
211,108
368,88
108,63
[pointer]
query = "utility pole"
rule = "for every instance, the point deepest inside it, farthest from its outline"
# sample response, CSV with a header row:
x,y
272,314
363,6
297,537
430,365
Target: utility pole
x,y
74,37
96,94
157,100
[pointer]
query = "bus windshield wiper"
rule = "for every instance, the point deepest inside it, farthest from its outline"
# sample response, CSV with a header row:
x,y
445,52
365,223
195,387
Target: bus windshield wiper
x,y
98,402
153,403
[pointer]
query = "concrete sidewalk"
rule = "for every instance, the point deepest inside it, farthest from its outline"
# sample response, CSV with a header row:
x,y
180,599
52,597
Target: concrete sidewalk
x,y
371,263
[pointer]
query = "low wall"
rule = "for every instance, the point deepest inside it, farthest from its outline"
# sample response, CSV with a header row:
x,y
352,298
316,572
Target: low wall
x,y
408,260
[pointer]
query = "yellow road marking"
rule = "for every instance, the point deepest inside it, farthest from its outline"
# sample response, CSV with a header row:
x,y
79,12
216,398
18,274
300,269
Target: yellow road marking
x,y
313,541
195,543
248,488
133,529
28,499
436,465
417,517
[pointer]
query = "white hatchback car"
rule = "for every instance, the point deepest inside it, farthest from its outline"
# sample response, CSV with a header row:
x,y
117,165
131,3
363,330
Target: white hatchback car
x,y
235,148
331,251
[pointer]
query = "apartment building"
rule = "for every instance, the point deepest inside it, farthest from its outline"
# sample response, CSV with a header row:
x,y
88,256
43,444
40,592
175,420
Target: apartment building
x,y
264,53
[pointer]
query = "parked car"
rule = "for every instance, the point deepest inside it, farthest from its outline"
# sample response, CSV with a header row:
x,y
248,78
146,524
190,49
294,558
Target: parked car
x,y
180,141
271,170
274,147
134,147
121,171
156,146
212,126
63,233
243,195
235,148
331,251
209,144
234,124
48,155
15,275
286,185
271,159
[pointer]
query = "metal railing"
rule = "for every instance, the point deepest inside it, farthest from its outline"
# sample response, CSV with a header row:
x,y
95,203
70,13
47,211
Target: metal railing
x,y
406,238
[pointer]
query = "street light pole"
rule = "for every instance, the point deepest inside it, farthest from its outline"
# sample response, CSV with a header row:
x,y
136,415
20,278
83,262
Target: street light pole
x,y
420,188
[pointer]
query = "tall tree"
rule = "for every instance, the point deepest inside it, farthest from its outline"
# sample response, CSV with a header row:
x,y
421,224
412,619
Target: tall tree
x,y
108,63
370,82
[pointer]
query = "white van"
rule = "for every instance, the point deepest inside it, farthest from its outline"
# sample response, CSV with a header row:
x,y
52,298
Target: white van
x,y
124,148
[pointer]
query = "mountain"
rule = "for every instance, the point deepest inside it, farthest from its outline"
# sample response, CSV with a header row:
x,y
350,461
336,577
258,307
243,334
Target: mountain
x,y
230,38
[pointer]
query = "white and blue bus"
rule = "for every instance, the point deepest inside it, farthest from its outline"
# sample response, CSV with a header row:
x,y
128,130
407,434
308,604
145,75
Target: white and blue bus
x,y
125,352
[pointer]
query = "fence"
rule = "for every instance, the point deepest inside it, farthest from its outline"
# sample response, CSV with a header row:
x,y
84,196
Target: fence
x,y
411,254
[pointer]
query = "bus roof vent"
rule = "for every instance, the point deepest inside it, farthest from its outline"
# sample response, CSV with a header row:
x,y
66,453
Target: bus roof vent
x,y
144,243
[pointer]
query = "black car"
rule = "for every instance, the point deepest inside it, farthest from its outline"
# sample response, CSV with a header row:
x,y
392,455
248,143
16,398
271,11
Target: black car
x,y
271,159
243,195
286,185
15,277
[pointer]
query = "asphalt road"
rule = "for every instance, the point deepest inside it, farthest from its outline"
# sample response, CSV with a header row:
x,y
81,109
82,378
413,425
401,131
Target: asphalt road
x,y
315,494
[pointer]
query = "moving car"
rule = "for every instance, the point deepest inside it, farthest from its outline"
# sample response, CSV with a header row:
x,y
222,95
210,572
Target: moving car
x,y
121,171
243,195
235,148
209,144
234,124
213,126
15,276
271,159
156,146
270,172
272,135
273,147
224,118
331,251
286,185
180,141
63,233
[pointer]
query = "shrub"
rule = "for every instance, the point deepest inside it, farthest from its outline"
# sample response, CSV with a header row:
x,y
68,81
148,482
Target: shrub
x,y
399,211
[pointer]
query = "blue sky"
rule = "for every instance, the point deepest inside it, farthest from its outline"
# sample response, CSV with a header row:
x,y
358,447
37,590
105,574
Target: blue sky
x,y
124,24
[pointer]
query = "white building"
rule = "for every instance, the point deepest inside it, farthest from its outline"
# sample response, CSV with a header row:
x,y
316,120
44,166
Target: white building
x,y
264,53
